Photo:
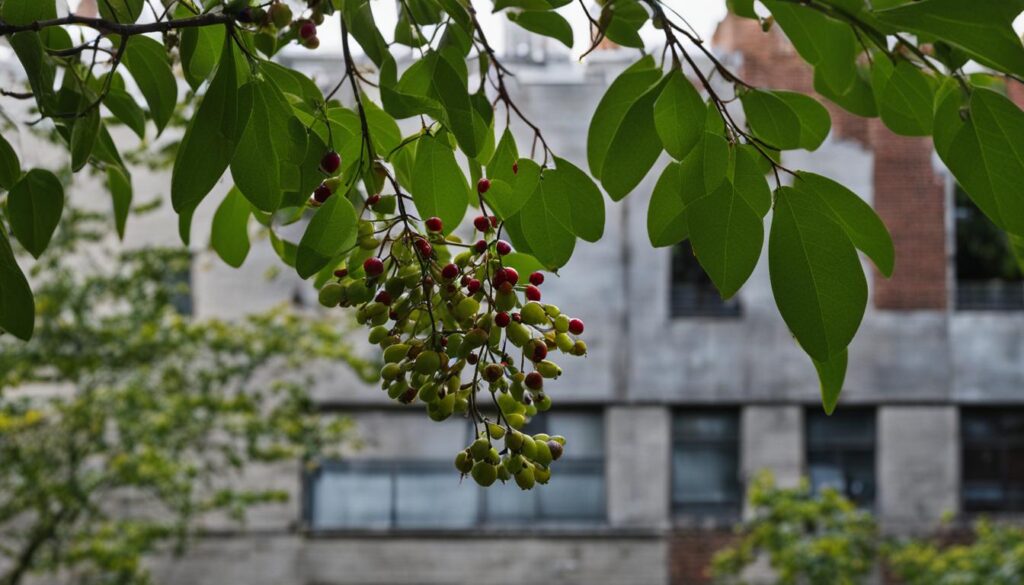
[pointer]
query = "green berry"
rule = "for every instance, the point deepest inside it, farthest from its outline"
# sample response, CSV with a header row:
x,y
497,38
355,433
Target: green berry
x,y
533,314
479,448
463,462
331,294
484,473
525,478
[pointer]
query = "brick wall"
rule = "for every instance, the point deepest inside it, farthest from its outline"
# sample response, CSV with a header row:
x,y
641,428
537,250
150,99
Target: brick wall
x,y
690,553
908,194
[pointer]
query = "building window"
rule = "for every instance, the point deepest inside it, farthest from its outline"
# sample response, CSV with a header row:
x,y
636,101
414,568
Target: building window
x,y
692,293
387,494
705,463
988,273
178,282
993,460
841,452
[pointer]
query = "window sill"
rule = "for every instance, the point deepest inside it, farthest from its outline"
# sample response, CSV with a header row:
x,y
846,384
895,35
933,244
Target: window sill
x,y
597,531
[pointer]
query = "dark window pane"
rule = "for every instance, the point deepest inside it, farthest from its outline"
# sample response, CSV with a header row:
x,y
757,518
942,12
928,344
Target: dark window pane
x,y
507,504
351,498
434,498
841,453
705,463
574,494
993,459
692,293
988,275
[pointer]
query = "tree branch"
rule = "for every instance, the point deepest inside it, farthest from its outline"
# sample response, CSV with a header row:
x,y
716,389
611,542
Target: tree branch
x,y
111,27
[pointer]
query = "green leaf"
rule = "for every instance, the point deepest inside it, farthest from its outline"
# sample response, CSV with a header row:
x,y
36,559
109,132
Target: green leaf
x,y
210,139
748,179
200,52
19,12
359,18
859,100
831,374
331,231
544,22
625,19
265,144
120,186
146,60
10,166
38,67
123,106
727,237
462,120
621,94
522,263
544,220
816,276
985,153
904,97
505,156
124,11
506,199
666,213
860,222
17,306
1017,246
827,44
83,138
34,206
744,8
679,115
585,200
786,120
438,186
229,235
982,28
705,167
632,152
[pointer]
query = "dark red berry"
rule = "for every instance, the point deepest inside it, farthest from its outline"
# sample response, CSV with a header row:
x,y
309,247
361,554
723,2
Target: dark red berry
x,y
480,246
517,317
499,278
322,193
575,326
450,271
372,200
502,319
383,297
515,168
532,293
537,278
481,223
373,266
472,359
341,272
540,351
330,162
465,280
503,247
483,185
424,248
556,450
434,224
393,315
511,275
473,286
494,221
505,288
534,381
444,342
307,30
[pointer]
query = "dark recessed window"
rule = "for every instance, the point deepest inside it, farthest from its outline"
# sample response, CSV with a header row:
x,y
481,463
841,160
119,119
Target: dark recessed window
x,y
988,274
178,280
841,452
993,459
427,493
692,294
705,463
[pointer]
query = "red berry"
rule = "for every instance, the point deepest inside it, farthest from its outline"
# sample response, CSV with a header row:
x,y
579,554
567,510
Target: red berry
x,y
505,288
515,168
532,293
424,247
322,193
393,315
575,326
511,275
494,221
372,200
473,286
341,272
465,280
434,224
499,278
503,247
383,297
537,278
480,246
534,381
540,351
330,162
481,223
450,271
307,30
373,266
502,319
483,185
472,359
517,317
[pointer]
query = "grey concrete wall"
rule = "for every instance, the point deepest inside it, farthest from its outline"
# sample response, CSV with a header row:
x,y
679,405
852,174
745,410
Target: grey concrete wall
x,y
638,469
772,439
918,466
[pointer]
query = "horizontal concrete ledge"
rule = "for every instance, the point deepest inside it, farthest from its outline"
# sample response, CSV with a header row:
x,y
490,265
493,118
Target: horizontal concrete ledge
x,y
554,533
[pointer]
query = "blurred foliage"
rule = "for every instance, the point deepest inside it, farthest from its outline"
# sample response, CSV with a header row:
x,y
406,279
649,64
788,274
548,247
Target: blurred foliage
x,y
995,557
123,422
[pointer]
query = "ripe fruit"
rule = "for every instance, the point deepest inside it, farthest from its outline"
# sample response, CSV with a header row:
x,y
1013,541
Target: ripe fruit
x,y
483,185
307,30
480,246
373,266
537,278
532,292
434,224
556,449
503,247
383,297
515,168
472,286
484,473
511,275
482,224
322,193
331,161
424,248
450,271
534,381
502,319
280,15
576,326
372,200
499,278
341,273
539,350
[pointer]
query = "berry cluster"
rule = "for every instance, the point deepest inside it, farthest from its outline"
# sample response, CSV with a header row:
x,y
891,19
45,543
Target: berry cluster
x,y
278,18
449,316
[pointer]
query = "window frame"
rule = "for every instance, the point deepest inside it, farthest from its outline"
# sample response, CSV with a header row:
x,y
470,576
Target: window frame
x,y
1000,441
711,509
842,450
996,294
709,302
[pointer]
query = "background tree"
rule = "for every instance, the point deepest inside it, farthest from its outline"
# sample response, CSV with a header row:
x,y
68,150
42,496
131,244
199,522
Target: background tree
x,y
995,556
123,422
460,323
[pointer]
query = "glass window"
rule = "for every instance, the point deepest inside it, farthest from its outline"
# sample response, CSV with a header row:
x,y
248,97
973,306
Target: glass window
x,y
426,492
988,274
993,460
841,452
692,293
705,463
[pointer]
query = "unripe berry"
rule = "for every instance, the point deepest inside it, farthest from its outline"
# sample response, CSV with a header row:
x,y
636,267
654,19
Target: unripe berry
x,y
511,275
576,326
484,473
542,402
525,478
463,462
502,319
496,431
450,271
537,278
514,441
548,369
579,348
482,224
532,293
543,456
330,163
307,30
542,475
534,381
280,15
434,224
533,314
373,266
466,308
503,247
383,297
331,294
483,185
515,420
322,193
312,42
472,286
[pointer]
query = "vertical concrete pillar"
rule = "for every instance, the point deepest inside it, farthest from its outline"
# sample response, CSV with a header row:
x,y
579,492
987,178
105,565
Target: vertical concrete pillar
x,y
772,438
639,465
918,458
